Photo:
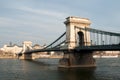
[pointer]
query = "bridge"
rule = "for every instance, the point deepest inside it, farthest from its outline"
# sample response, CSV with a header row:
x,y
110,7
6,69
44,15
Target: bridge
x,y
79,42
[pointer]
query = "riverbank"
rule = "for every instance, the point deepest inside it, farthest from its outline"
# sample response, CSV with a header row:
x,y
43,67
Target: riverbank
x,y
97,56
7,55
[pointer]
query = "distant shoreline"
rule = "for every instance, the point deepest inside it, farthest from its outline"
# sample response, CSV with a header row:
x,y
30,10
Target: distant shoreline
x,y
96,56
7,57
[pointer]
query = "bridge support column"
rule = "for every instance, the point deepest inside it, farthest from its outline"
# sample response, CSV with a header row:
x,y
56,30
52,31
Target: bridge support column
x,y
26,56
77,60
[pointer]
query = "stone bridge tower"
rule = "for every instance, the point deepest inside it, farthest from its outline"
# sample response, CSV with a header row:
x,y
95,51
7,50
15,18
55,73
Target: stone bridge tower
x,y
74,35
77,37
27,45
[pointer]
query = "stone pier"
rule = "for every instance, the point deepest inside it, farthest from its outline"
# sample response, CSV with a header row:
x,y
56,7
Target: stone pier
x,y
26,56
77,60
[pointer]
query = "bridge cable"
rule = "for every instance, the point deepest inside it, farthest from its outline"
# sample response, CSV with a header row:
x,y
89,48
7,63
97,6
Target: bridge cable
x,y
55,40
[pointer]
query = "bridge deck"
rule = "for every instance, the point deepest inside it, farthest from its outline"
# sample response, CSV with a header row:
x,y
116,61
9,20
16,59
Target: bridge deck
x,y
81,48
99,48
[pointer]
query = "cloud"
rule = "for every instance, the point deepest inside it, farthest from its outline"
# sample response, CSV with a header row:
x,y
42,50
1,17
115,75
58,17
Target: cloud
x,y
29,29
45,12
32,17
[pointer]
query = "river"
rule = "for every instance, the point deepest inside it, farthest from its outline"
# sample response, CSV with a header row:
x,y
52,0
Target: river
x,y
46,69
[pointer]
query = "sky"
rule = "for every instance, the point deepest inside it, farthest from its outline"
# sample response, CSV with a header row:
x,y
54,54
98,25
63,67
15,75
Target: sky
x,y
41,21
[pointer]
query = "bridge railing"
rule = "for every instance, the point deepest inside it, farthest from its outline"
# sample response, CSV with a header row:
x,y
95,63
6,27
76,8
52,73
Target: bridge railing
x,y
100,37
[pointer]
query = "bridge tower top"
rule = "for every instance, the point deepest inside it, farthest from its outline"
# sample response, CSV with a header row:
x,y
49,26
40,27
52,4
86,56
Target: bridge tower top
x,y
73,33
77,21
27,43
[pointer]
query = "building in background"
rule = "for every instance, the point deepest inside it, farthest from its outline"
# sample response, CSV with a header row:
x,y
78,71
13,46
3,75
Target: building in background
x,y
13,50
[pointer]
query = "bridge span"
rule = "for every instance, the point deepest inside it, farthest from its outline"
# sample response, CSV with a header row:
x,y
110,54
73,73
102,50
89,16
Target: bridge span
x,y
79,42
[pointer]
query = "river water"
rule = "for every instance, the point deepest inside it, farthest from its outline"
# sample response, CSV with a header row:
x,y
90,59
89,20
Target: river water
x,y
46,69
